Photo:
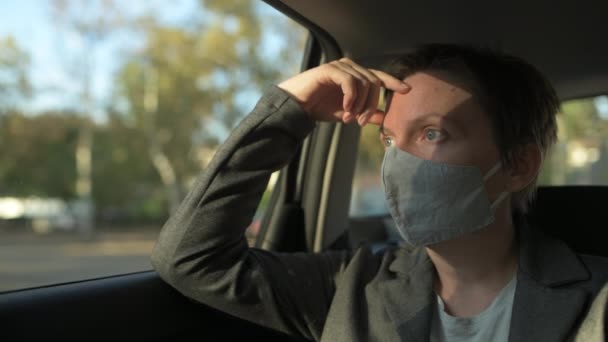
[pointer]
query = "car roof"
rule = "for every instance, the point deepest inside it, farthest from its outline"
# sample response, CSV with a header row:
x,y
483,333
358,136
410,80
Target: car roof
x,y
564,39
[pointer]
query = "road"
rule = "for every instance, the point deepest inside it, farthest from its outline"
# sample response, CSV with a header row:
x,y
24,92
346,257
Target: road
x,y
28,259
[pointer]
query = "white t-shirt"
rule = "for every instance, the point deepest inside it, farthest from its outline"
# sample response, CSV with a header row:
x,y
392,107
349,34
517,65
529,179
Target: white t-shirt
x,y
490,325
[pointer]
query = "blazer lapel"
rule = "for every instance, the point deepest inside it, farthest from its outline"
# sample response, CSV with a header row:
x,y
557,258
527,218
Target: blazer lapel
x,y
545,308
408,294
544,314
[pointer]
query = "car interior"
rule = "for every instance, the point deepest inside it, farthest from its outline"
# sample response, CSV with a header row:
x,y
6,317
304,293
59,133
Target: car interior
x,y
309,208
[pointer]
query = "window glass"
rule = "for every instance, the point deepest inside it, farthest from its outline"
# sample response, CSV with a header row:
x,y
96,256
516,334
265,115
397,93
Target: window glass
x,y
108,112
367,195
580,156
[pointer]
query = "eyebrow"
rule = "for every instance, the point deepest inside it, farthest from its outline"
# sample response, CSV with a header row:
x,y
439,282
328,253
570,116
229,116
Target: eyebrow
x,y
416,122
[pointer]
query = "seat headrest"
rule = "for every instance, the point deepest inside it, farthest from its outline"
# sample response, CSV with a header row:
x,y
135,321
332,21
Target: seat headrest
x,y
578,215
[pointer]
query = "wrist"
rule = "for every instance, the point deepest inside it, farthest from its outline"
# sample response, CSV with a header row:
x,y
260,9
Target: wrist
x,y
293,92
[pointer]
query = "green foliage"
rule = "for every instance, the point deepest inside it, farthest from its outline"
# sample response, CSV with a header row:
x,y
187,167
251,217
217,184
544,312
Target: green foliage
x,y
181,83
14,83
37,154
175,96
581,154
371,150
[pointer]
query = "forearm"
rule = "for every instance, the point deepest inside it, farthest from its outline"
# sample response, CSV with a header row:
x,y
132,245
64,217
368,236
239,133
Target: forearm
x,y
202,250
223,200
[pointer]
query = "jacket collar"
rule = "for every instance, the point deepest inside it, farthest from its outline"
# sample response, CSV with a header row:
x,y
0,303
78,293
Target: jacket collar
x,y
408,294
546,265
547,306
548,261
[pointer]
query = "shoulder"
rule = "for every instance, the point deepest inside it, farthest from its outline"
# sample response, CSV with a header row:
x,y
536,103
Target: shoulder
x,y
599,264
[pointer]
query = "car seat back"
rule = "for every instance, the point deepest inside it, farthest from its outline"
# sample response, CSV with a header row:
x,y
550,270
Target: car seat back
x,y
577,215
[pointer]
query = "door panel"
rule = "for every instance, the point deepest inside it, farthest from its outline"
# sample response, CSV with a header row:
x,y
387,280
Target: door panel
x,y
134,307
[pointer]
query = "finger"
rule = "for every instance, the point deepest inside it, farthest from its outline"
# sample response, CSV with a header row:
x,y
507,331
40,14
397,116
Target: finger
x,y
348,85
371,106
359,105
364,71
391,82
376,118
362,83
373,96
348,117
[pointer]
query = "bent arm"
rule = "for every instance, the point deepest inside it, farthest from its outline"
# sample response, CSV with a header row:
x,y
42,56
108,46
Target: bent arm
x,y
202,250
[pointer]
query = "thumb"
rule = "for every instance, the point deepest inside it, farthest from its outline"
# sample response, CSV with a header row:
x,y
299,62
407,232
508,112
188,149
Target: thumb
x,y
376,118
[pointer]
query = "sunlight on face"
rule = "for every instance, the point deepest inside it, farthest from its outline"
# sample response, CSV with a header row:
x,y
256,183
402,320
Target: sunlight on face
x,y
440,120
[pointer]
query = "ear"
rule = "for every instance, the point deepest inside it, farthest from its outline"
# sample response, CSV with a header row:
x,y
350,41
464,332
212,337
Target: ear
x,y
525,168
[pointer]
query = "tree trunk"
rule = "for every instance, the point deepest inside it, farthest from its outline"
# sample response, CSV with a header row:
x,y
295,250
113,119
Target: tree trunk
x,y
167,175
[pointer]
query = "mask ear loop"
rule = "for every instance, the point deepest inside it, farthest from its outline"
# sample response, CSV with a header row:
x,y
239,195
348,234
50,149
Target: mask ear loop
x,y
500,198
503,194
492,171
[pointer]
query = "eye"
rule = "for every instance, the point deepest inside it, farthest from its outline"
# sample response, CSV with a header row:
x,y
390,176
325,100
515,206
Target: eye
x,y
433,135
387,141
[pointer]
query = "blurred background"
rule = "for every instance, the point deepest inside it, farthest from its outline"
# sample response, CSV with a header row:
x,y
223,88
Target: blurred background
x,y
108,112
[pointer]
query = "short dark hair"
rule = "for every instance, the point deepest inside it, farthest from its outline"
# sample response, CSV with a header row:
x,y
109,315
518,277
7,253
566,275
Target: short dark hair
x,y
520,101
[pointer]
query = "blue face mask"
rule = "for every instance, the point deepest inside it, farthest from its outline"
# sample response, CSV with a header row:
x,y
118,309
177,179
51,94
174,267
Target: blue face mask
x,y
433,202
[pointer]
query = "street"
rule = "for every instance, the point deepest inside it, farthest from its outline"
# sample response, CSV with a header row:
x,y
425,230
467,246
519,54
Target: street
x,y
28,259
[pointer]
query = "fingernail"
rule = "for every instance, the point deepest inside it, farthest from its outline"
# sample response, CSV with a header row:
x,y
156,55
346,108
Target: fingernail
x,y
405,86
362,120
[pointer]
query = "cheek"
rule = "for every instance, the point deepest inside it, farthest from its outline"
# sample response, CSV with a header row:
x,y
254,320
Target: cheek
x,y
453,153
471,149
480,145
496,184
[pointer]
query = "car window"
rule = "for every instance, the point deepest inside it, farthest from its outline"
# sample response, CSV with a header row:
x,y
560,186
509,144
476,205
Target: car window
x,y
108,112
580,156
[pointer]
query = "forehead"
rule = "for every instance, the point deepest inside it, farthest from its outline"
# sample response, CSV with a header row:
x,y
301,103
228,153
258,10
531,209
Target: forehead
x,y
435,93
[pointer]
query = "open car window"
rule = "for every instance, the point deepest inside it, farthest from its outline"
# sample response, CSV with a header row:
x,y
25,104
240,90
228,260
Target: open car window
x,y
108,112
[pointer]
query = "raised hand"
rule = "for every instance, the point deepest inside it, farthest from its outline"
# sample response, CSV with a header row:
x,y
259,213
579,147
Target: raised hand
x,y
342,91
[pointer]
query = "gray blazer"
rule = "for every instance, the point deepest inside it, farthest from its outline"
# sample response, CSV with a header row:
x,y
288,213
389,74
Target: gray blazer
x,y
337,296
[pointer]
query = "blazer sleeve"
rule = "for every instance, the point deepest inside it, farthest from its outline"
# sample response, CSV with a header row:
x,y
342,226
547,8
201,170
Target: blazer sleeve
x,y
202,250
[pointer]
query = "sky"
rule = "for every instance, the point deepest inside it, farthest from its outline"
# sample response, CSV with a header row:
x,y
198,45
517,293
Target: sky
x,y
54,51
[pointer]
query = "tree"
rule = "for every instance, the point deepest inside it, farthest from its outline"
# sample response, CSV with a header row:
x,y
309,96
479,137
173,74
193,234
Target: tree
x,y
184,81
177,92
91,30
14,82
125,183
37,154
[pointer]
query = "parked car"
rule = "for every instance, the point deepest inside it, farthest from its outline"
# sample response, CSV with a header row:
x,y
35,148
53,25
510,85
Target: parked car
x,y
43,215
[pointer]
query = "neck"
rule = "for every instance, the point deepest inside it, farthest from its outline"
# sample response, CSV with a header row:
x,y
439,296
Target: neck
x,y
472,269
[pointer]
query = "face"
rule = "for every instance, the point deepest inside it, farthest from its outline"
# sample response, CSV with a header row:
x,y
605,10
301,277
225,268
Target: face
x,y
441,120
